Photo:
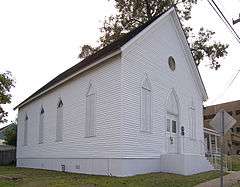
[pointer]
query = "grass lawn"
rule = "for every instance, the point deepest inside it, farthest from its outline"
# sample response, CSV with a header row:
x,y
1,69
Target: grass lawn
x,y
11,176
235,162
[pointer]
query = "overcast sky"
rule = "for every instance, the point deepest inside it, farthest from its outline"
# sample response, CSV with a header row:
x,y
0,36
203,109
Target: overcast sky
x,y
40,39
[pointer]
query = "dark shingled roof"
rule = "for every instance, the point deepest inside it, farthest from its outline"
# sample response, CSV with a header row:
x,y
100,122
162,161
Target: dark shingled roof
x,y
114,46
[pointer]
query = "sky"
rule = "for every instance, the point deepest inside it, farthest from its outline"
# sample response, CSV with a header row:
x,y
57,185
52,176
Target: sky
x,y
40,39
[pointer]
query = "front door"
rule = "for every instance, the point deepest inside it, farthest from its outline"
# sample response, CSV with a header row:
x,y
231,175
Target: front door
x,y
172,130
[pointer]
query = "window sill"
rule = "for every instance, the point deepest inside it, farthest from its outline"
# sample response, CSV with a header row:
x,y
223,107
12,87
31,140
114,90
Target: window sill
x,y
147,132
90,136
193,139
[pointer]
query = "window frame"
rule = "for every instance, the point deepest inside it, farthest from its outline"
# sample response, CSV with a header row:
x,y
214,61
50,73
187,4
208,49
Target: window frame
x,y
146,99
90,123
25,130
59,121
192,122
41,126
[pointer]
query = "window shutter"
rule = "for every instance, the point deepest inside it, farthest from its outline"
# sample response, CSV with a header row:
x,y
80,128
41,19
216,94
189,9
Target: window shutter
x,y
41,123
90,113
192,122
143,110
148,110
146,113
59,125
25,131
88,117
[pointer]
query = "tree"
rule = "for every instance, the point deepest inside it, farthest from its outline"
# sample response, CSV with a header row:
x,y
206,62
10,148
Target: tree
x,y
87,50
132,13
6,83
10,134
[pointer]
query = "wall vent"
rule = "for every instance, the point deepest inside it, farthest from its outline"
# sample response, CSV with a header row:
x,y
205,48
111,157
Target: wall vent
x,y
63,168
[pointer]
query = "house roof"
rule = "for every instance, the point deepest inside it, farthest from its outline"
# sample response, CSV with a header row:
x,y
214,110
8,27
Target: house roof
x,y
109,49
3,129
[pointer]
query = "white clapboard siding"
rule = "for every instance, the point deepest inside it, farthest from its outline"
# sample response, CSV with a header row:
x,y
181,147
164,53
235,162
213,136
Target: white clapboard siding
x,y
149,54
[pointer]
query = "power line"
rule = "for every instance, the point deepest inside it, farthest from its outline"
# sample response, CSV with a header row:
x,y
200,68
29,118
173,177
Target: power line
x,y
226,87
231,29
223,18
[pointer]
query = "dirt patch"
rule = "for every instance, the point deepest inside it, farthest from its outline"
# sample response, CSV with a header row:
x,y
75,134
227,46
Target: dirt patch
x,y
12,177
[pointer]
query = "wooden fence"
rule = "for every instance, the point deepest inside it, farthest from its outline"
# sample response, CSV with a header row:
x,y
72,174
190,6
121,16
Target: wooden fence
x,y
7,157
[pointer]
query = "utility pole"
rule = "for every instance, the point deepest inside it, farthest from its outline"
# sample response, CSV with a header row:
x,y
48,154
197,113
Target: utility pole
x,y
222,147
222,122
236,21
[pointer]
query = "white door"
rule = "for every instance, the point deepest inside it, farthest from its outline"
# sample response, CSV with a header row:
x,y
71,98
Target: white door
x,y
172,134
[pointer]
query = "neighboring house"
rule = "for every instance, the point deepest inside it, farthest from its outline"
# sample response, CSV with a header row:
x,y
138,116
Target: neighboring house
x,y
2,133
133,107
232,138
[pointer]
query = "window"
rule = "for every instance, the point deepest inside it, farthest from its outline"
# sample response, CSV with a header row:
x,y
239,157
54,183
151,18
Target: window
x,y
192,121
237,129
25,130
174,126
171,63
59,124
146,111
237,112
41,122
90,112
230,113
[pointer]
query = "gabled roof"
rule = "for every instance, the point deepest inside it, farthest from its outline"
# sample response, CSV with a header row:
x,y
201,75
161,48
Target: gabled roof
x,y
108,50
3,129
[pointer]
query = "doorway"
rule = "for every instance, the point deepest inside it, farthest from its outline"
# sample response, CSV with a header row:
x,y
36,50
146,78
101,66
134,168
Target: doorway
x,y
172,138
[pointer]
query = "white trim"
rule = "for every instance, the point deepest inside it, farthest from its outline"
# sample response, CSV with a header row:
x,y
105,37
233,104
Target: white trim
x,y
90,127
70,77
210,131
146,86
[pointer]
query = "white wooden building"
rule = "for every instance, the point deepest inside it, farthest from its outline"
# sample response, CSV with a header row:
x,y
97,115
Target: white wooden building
x,y
133,107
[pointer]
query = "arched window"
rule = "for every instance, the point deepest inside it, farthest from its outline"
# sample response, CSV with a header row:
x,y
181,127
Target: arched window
x,y
146,105
90,112
25,141
41,125
192,120
59,124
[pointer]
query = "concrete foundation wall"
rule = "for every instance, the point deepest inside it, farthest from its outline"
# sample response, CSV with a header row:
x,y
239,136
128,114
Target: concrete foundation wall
x,y
184,165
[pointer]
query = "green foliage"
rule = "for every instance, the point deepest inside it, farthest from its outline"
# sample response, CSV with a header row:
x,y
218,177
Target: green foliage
x,y
33,177
87,50
132,13
6,83
10,134
235,162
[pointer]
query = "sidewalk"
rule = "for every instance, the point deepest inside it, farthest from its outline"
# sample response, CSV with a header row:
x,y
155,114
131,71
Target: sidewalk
x,y
228,181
